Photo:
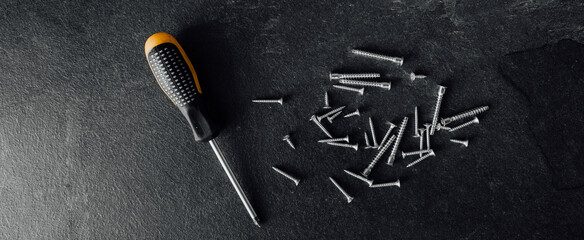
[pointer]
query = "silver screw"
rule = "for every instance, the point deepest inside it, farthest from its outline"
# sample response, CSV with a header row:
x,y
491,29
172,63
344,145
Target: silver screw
x,y
355,113
313,118
396,60
431,154
368,181
463,142
280,101
367,144
389,184
400,134
427,125
349,198
413,76
353,146
439,127
377,157
391,127
331,118
375,145
345,139
326,101
416,133
470,113
319,118
296,180
405,154
441,91
287,139
384,85
335,76
422,130
473,121
358,90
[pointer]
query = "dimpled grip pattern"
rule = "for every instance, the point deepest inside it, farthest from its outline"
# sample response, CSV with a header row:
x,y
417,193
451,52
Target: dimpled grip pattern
x,y
172,73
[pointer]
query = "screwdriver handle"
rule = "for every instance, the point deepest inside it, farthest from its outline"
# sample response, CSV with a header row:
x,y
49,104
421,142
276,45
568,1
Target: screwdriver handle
x,y
176,76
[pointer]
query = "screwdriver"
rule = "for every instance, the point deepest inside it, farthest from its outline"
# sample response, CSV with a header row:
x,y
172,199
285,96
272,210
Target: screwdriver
x,y
177,78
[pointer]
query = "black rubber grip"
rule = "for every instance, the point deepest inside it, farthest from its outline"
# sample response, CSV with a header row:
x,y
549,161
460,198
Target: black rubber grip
x,y
176,80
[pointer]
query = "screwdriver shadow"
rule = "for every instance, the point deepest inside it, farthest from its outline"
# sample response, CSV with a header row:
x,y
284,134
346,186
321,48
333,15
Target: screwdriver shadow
x,y
207,48
210,53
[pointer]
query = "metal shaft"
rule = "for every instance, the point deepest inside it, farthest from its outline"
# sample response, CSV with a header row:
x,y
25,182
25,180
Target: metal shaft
x,y
396,60
469,113
337,76
402,127
234,181
441,92
384,85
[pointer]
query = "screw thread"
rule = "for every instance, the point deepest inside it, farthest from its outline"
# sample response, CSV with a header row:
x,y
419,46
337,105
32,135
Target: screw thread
x,y
470,113
358,90
355,113
389,184
463,142
377,157
441,92
405,154
397,60
345,139
321,127
268,101
386,85
330,113
290,143
391,127
373,133
400,134
330,118
326,100
366,140
475,120
353,146
354,75
421,139
296,180
349,198
359,177
416,133
421,158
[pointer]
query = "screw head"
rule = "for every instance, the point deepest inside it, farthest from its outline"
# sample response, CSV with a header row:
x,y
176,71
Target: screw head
x,y
441,90
400,62
350,199
334,76
296,181
361,91
432,153
443,122
313,118
356,147
398,183
286,137
386,86
412,76
475,120
403,154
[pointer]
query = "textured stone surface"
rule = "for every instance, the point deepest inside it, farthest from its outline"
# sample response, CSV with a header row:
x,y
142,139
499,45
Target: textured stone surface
x,y
90,148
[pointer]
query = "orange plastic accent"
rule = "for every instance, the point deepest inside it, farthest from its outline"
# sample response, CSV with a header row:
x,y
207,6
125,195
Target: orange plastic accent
x,y
162,37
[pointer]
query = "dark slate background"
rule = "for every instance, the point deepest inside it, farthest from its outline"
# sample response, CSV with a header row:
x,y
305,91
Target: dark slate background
x,y
92,149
